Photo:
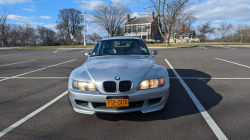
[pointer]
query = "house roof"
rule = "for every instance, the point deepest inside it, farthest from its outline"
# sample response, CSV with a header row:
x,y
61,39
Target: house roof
x,y
191,32
121,37
140,20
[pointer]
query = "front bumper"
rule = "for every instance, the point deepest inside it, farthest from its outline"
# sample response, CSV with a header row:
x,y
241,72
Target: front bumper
x,y
142,100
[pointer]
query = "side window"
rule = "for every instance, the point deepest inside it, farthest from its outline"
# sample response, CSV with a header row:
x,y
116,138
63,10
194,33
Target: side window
x,y
98,48
143,48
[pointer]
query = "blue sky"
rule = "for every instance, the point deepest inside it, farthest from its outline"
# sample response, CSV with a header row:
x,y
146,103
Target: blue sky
x,y
44,12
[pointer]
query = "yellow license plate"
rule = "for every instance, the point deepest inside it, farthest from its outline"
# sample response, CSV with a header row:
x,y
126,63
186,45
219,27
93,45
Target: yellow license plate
x,y
117,101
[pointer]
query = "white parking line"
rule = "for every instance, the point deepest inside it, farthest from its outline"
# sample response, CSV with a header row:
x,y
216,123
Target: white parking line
x,y
56,51
16,63
36,70
205,78
203,47
232,62
5,131
191,78
36,77
217,131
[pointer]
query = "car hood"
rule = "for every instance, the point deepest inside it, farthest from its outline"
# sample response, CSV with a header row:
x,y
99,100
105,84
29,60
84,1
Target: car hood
x,y
106,68
127,68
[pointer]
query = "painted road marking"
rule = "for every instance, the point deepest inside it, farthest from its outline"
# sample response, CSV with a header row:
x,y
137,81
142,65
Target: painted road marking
x,y
5,131
203,47
37,70
217,131
191,78
232,62
207,78
56,51
15,63
36,77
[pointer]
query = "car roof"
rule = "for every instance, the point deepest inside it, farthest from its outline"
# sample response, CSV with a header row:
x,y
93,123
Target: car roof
x,y
121,37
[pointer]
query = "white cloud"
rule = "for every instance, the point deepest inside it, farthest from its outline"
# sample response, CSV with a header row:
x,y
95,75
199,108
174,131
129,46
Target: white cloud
x,y
33,6
140,14
20,18
132,2
53,26
45,17
90,4
27,9
218,10
14,1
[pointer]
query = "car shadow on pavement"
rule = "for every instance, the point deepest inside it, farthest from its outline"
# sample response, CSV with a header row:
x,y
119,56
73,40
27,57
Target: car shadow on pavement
x,y
179,103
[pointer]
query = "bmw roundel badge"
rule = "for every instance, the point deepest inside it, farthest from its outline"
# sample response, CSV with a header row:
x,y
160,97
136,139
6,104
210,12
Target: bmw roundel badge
x,y
117,78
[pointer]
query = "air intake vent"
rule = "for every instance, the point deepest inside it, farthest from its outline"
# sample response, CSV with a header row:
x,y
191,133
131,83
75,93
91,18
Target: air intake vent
x,y
109,86
125,86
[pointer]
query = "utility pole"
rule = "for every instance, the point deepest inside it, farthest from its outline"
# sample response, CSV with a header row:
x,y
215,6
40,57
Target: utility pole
x,y
84,29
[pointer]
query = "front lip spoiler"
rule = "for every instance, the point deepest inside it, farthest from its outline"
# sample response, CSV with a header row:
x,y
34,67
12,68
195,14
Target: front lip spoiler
x,y
84,111
144,109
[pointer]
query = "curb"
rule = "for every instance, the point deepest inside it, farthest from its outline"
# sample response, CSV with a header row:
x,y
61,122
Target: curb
x,y
162,47
74,48
9,48
247,46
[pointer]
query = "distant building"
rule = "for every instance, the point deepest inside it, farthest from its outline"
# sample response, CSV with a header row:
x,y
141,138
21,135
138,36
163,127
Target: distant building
x,y
187,35
144,27
147,28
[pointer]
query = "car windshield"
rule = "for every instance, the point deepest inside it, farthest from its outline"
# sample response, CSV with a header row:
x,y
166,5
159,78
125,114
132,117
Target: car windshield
x,y
120,47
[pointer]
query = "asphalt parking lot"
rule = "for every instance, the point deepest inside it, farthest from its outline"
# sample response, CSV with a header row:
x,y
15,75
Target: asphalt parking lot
x,y
34,104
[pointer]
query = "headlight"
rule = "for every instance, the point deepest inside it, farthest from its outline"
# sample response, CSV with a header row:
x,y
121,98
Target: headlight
x,y
86,86
153,83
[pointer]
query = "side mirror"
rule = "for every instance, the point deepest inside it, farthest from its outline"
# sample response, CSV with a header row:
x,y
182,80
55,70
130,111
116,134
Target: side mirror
x,y
87,53
154,52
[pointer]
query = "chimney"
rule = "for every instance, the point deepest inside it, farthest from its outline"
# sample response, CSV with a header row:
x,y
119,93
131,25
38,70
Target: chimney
x,y
153,14
128,18
183,28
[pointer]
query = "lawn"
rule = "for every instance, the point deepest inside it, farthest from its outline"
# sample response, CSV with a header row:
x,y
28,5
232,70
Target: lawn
x,y
195,44
149,45
58,47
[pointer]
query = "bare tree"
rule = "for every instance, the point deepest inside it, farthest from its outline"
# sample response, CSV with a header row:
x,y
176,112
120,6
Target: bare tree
x,y
46,36
27,34
79,38
3,23
110,15
242,30
168,11
205,28
187,19
223,30
62,36
12,35
94,37
69,21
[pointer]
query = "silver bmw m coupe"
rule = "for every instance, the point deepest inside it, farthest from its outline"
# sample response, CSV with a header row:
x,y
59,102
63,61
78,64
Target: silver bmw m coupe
x,y
120,76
